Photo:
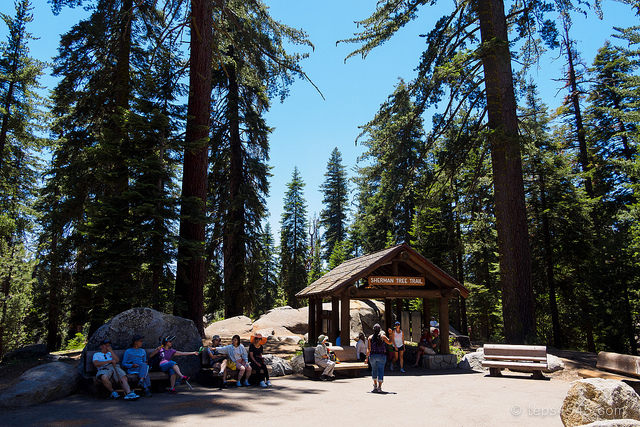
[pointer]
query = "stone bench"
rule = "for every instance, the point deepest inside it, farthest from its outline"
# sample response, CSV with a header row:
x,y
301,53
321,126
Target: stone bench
x,y
158,379
439,361
616,366
518,358
348,366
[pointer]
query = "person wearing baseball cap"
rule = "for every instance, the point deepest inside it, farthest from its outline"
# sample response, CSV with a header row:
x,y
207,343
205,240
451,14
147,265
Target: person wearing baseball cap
x,y
134,361
218,360
106,362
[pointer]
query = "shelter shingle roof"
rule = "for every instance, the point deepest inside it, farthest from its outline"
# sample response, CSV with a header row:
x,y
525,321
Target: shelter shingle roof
x,y
347,273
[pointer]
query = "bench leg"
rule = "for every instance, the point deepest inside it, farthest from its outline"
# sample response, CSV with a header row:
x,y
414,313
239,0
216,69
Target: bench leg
x,y
495,372
537,375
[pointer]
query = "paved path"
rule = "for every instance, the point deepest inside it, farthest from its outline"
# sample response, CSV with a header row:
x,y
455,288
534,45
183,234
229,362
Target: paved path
x,y
428,398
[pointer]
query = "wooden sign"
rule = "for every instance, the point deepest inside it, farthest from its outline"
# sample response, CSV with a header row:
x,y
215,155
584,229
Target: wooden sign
x,y
396,281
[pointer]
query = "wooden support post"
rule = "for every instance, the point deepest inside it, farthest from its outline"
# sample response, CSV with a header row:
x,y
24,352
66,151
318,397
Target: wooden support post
x,y
387,315
318,321
313,332
345,320
444,326
426,312
335,319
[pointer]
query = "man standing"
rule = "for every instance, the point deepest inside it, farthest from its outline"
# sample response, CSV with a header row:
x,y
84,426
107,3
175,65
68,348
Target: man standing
x,y
105,360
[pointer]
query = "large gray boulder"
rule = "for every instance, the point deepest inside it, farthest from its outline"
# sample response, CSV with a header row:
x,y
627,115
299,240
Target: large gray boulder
x,y
154,326
279,366
297,364
282,320
365,314
33,351
237,325
598,399
41,384
473,361
554,363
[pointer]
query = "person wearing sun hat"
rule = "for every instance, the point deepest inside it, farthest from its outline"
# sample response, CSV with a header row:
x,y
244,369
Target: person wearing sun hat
x,y
134,361
257,361
321,358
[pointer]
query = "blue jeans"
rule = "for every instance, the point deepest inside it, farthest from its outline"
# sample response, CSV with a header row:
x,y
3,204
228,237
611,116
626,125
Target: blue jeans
x,y
377,362
164,367
143,372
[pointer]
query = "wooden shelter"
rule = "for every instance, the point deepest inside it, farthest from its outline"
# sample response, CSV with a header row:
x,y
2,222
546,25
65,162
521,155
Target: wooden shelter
x,y
394,273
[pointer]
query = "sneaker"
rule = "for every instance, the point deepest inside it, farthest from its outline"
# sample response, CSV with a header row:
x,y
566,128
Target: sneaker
x,y
246,383
402,370
325,377
131,396
173,391
268,383
391,366
114,395
239,384
185,378
147,393
375,390
262,384
141,383
223,384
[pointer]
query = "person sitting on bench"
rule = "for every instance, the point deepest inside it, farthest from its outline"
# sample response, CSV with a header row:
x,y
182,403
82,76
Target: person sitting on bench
x,y
257,361
321,358
106,361
238,359
166,364
218,360
135,362
424,346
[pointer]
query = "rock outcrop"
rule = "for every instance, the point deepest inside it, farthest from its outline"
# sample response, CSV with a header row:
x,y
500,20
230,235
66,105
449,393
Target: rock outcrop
x,y
41,384
154,326
240,325
598,399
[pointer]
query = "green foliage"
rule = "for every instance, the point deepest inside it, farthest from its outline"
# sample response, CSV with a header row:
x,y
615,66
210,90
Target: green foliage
x,y
76,343
333,216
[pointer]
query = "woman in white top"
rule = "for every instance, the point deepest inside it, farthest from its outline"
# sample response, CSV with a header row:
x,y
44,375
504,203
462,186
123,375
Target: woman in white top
x,y
397,337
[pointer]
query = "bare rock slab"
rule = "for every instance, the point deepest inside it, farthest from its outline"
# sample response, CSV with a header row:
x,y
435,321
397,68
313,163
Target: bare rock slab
x,y
240,325
597,399
41,384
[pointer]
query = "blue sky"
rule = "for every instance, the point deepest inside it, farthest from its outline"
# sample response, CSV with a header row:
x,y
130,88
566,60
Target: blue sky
x,y
307,128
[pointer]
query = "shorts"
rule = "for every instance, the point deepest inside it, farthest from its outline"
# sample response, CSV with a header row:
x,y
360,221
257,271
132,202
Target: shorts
x,y
401,348
110,372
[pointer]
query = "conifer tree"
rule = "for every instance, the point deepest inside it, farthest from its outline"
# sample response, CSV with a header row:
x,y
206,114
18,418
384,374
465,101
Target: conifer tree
x,y
293,240
335,190
20,121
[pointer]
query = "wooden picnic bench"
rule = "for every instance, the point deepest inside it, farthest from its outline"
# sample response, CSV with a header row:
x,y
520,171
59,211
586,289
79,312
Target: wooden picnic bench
x,y
518,358
349,365
616,366
209,375
158,379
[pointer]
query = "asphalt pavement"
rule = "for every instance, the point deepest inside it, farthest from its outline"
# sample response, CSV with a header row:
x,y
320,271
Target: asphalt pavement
x,y
417,397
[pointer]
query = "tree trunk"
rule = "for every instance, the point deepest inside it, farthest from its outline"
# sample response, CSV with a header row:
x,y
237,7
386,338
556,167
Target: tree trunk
x,y
513,244
190,273
234,239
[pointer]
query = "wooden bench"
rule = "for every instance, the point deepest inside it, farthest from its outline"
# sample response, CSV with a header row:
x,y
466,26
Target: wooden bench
x,y
349,365
518,358
209,375
616,366
158,379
